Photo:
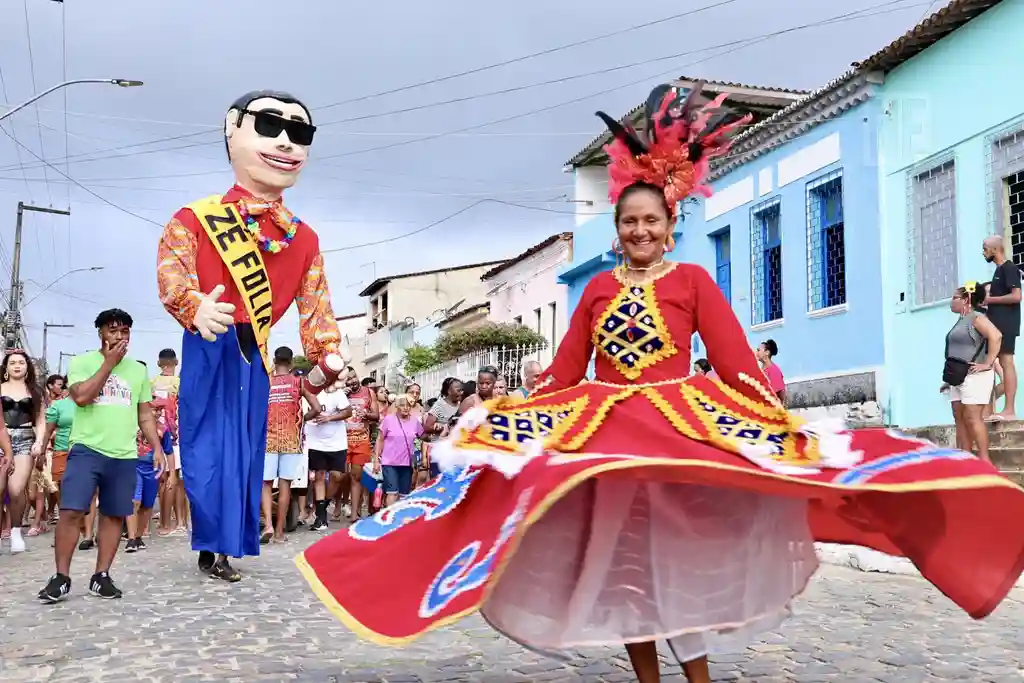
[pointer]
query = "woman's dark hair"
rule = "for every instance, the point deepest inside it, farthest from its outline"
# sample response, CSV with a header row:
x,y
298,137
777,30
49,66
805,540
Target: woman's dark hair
x,y
113,316
30,380
642,187
446,385
703,364
410,385
488,370
430,403
976,298
469,388
771,347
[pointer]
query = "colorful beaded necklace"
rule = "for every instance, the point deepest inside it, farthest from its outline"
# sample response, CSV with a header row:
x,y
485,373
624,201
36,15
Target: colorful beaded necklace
x,y
282,217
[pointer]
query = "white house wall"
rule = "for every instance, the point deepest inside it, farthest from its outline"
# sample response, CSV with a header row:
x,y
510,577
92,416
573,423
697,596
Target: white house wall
x,y
419,297
591,185
532,285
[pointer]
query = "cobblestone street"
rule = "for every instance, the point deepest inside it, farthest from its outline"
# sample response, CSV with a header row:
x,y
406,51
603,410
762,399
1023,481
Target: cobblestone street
x,y
176,625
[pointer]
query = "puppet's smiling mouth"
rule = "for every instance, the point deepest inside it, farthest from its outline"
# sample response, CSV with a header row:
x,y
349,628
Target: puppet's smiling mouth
x,y
280,163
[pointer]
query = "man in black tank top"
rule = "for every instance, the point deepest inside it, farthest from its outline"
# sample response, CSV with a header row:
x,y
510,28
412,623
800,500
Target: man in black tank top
x,y
1003,303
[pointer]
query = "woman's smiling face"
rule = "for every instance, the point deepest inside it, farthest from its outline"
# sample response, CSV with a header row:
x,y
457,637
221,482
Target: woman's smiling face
x,y
643,227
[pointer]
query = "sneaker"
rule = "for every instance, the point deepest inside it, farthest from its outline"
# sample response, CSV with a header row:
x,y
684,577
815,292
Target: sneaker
x,y
131,545
319,525
87,544
102,586
224,571
140,544
56,589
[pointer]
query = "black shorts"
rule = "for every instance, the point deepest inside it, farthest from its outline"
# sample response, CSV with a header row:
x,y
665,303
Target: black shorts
x,y
327,461
1008,344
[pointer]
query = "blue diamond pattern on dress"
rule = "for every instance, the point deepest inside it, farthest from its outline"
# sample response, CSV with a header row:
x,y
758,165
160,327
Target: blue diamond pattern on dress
x,y
743,430
630,333
523,426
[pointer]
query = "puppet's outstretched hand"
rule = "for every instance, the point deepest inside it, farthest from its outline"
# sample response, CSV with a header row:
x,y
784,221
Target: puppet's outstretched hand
x,y
213,316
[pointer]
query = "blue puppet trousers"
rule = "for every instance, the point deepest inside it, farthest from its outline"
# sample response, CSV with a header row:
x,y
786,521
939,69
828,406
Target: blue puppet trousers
x,y
222,426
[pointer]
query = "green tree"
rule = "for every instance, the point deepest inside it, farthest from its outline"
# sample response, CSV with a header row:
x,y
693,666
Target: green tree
x,y
418,358
489,335
302,363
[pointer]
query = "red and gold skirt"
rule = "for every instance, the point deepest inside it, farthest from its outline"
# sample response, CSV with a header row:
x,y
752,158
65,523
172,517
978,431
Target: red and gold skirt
x,y
680,510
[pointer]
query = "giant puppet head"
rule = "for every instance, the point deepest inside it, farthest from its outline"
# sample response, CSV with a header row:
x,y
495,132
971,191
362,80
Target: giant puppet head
x,y
268,134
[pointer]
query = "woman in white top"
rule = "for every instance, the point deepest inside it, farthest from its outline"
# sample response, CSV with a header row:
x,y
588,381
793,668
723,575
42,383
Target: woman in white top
x,y
327,441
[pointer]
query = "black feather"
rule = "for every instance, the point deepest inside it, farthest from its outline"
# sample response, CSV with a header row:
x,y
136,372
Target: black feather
x,y
626,136
651,108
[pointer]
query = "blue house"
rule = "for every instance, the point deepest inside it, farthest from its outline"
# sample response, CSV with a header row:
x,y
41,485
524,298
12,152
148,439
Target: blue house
x,y
951,172
790,235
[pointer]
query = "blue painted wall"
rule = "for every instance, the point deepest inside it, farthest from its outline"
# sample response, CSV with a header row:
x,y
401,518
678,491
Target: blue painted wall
x,y
824,342
849,338
943,103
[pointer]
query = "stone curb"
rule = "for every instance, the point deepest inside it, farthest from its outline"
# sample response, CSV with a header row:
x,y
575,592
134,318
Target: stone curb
x,y
866,560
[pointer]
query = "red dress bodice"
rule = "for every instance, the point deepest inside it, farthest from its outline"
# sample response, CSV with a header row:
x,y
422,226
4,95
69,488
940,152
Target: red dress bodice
x,y
641,333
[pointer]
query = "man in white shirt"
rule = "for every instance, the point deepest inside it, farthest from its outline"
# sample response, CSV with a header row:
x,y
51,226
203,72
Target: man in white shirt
x,y
327,441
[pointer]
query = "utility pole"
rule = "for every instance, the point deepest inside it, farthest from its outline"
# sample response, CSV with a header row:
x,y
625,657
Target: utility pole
x,y
60,363
46,328
13,313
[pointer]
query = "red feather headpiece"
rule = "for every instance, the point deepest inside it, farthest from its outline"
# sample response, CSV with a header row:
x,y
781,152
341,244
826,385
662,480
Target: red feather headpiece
x,y
683,132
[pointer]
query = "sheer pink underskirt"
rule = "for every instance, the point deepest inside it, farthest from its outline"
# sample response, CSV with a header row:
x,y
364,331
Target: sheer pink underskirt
x,y
620,561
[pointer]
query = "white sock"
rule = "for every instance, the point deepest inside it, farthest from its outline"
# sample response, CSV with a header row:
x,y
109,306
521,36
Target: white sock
x,y
17,544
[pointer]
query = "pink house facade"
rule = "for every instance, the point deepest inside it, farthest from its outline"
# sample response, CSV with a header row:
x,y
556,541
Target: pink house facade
x,y
526,290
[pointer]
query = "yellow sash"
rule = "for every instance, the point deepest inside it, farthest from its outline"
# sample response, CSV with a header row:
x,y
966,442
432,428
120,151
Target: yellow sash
x,y
241,256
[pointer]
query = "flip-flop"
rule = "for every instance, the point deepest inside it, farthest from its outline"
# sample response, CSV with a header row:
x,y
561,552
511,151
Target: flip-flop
x,y
995,418
266,537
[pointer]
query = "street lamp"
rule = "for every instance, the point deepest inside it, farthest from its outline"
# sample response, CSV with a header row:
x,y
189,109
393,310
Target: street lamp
x,y
121,82
70,272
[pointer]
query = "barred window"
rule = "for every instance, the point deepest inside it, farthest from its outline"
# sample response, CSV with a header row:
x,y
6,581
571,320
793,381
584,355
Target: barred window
x,y
723,262
826,243
1006,194
766,261
1013,197
933,257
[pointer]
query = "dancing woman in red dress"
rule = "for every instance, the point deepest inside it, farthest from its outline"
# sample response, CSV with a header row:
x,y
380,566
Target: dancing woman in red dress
x,y
650,504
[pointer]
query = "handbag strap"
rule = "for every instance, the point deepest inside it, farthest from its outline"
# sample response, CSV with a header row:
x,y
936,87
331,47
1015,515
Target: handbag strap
x,y
405,438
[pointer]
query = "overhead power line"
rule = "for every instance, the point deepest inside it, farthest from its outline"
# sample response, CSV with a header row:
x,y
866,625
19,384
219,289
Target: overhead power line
x,y
80,185
858,14
424,228
735,46
551,50
77,158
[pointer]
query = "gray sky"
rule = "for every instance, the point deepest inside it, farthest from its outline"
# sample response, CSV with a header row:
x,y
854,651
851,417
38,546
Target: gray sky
x,y
196,56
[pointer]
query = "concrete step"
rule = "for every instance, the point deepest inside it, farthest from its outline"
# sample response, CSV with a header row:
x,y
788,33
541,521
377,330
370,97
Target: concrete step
x,y
1007,458
1006,444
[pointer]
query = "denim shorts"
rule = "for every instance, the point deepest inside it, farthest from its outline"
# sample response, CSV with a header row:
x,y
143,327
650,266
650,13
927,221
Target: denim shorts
x,y
283,466
397,479
88,471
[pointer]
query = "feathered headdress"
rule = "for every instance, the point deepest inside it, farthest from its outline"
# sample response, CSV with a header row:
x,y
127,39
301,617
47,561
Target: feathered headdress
x,y
683,132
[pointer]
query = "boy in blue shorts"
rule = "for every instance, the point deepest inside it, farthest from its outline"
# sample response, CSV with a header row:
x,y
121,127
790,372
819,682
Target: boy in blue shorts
x,y
147,484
